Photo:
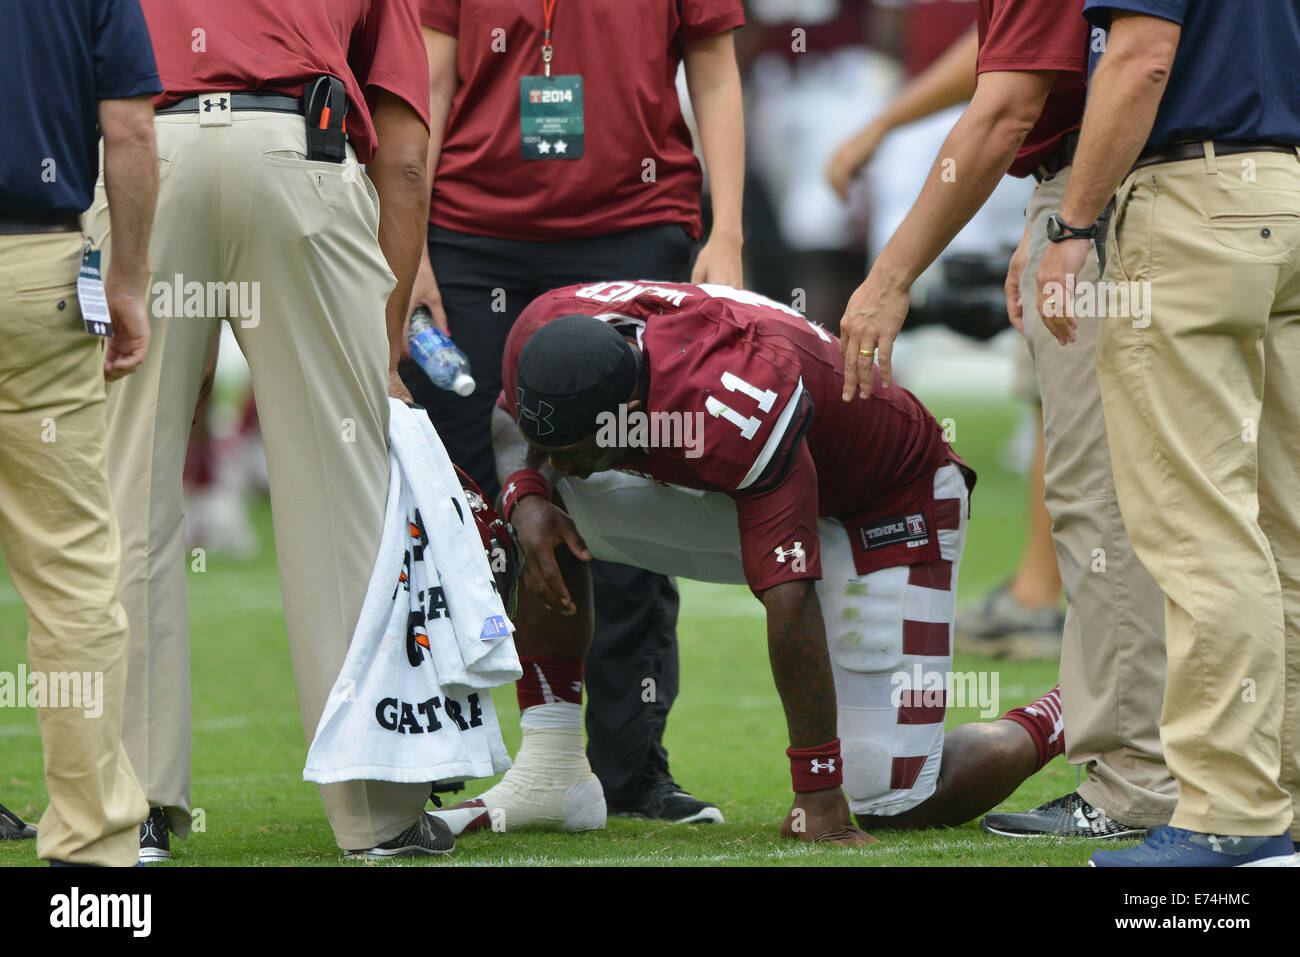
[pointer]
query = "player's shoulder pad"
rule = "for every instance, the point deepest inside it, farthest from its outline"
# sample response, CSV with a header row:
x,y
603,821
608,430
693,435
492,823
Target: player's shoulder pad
x,y
739,395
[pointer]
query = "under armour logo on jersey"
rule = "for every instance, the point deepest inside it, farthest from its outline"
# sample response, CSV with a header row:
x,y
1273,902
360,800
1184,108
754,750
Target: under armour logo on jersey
x,y
221,103
819,766
795,554
540,417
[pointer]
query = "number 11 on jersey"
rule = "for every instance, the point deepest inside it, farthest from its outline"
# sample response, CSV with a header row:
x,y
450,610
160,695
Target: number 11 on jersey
x,y
748,425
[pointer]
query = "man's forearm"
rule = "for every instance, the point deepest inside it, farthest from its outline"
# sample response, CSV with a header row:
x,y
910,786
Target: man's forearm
x,y
801,664
131,182
974,158
397,172
1123,98
714,83
512,450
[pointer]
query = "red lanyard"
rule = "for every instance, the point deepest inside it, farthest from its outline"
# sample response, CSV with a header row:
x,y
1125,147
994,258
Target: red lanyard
x,y
548,51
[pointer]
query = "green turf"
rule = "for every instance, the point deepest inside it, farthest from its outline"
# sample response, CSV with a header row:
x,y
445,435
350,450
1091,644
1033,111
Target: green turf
x,y
726,733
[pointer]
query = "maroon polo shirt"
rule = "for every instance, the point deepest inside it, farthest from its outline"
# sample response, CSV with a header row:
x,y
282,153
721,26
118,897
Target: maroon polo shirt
x,y
278,46
627,52
931,27
1030,35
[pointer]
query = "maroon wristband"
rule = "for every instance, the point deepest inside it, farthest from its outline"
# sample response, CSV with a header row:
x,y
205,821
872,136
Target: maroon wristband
x,y
521,483
816,768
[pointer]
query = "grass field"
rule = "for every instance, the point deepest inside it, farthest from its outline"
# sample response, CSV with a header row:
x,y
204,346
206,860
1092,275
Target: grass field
x,y
726,733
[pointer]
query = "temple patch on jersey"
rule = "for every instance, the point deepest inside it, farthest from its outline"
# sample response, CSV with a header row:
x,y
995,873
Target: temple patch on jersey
x,y
910,528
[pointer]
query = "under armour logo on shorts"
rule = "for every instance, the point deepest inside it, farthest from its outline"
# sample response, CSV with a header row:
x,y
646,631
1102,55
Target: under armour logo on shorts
x,y
221,103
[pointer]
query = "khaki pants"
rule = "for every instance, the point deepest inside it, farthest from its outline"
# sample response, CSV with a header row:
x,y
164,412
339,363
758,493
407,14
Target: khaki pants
x,y
61,544
1112,650
241,204
1203,413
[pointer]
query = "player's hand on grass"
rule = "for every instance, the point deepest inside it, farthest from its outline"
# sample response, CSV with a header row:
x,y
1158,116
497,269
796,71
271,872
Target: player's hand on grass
x,y
868,329
851,156
1056,278
822,817
1015,309
129,344
720,262
542,528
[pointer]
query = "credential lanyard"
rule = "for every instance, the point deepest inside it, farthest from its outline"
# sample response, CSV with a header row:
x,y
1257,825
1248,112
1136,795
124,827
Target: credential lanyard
x,y
548,51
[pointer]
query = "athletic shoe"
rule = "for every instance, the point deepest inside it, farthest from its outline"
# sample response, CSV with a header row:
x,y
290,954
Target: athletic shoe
x,y
550,786
13,828
1176,847
663,799
1000,627
426,836
155,837
1069,816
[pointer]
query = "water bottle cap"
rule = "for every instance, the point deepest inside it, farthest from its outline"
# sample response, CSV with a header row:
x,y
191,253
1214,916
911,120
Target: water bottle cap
x,y
463,384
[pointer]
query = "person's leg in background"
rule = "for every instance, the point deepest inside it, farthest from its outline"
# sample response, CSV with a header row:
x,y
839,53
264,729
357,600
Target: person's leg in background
x,y
150,414
1021,619
318,354
636,610
61,545
1112,652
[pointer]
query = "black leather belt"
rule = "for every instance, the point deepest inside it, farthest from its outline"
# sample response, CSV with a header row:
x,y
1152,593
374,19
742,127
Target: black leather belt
x,y
267,102
1196,150
1059,158
51,223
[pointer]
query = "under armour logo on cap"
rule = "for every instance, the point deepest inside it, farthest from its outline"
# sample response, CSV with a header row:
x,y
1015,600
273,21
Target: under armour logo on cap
x,y
540,418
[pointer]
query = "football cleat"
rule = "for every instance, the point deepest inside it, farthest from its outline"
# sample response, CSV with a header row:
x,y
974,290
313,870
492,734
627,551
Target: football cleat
x,y
14,828
1176,847
155,837
427,836
1069,816
549,787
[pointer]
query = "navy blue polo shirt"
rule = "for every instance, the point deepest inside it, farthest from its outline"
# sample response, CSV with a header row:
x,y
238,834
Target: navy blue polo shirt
x,y
61,58
1236,74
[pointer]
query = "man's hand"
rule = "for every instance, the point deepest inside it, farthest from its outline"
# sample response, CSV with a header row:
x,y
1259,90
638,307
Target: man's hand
x,y
822,817
1015,309
126,349
424,292
1056,278
868,328
719,262
851,156
542,528
397,388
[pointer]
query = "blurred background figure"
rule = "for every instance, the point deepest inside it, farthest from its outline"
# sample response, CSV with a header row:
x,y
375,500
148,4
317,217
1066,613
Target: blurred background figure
x,y
13,828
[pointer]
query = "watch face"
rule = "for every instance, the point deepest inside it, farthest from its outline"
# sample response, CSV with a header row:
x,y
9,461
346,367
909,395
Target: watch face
x,y
1055,228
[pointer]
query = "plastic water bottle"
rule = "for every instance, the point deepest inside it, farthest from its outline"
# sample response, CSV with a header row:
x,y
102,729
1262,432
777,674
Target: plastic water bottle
x,y
444,364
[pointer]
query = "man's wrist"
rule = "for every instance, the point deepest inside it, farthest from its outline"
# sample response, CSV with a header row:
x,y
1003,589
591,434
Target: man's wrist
x,y
519,486
1060,229
817,768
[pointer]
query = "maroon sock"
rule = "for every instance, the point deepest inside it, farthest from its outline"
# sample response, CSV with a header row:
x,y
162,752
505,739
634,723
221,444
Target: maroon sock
x,y
1042,720
547,679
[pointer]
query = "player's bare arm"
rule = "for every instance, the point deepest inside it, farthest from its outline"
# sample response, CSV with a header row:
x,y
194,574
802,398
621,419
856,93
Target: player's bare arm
x,y
975,156
398,172
1123,97
801,667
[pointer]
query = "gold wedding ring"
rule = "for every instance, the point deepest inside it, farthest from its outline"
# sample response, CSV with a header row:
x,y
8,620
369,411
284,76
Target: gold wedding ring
x,y
867,352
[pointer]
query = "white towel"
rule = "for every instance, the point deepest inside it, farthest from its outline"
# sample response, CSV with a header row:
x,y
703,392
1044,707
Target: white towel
x,y
411,702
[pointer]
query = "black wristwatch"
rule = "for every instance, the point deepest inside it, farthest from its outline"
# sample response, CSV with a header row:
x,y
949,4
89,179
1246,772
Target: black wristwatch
x,y
1058,230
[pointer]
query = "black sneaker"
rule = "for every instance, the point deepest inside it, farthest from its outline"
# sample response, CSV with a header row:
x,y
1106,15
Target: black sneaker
x,y
1069,816
663,799
1000,627
428,835
13,828
155,837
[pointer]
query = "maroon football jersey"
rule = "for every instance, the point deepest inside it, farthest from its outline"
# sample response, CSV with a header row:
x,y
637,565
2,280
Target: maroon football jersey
x,y
745,399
